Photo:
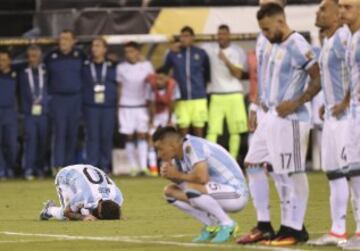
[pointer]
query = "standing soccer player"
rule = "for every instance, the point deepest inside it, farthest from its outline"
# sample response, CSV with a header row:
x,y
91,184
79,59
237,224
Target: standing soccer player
x,y
227,62
99,92
207,182
257,162
287,122
191,72
64,69
350,13
35,106
133,111
8,117
335,84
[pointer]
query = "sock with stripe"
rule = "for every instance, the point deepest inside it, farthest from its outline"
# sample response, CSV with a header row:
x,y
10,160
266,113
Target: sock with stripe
x,y
300,199
339,196
259,189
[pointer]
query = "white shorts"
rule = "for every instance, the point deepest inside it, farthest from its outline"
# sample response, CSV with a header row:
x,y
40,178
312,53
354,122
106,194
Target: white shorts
x,y
352,148
287,141
258,152
333,144
133,120
230,199
161,120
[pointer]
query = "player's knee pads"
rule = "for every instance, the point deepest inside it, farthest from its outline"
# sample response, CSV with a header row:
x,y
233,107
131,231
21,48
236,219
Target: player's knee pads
x,y
192,193
336,174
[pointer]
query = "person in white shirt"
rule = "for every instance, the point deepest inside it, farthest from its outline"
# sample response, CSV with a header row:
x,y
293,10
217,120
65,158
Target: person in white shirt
x,y
133,111
227,63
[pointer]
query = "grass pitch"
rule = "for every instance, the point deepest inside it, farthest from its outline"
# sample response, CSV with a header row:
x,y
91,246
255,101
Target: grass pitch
x,y
151,224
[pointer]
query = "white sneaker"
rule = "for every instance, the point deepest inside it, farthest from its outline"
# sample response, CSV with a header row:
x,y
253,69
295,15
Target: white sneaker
x,y
328,240
352,244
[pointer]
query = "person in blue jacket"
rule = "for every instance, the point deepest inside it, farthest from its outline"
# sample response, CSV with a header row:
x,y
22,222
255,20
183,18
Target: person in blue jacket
x,y
64,68
8,117
34,106
99,95
191,70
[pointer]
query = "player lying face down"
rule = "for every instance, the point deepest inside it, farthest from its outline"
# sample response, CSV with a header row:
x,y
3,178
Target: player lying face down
x,y
85,193
207,182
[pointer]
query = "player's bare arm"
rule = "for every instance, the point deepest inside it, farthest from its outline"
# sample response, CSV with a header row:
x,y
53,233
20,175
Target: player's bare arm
x,y
289,106
199,175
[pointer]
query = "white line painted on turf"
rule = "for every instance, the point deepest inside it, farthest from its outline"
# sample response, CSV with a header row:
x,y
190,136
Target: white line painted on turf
x,y
132,240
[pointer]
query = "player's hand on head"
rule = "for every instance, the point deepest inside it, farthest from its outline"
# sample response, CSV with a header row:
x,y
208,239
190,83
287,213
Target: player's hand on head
x,y
286,108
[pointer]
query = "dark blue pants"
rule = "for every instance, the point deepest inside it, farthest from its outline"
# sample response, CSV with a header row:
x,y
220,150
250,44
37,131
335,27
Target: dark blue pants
x,y
99,124
35,144
65,112
8,141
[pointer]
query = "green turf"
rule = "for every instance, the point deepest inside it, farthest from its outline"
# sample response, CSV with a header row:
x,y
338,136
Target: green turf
x,y
151,224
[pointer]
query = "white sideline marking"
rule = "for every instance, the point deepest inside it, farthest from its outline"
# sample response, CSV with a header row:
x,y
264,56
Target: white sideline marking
x,y
128,239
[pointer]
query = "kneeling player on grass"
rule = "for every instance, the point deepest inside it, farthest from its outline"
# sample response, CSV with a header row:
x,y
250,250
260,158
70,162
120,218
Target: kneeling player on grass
x,y
85,193
207,182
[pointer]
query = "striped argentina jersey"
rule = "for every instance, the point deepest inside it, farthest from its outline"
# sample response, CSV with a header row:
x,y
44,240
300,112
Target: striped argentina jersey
x,y
263,50
223,169
88,185
286,74
353,62
333,69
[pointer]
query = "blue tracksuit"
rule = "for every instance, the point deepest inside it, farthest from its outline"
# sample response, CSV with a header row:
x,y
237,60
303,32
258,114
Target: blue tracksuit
x,y
99,116
191,71
65,83
35,124
8,124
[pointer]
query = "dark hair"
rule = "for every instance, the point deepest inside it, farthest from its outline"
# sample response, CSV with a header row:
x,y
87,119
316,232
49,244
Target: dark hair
x,y
163,132
33,47
132,44
109,210
5,51
102,40
269,10
188,29
71,32
224,27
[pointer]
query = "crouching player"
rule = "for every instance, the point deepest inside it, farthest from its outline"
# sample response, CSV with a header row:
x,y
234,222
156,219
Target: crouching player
x,y
207,182
85,193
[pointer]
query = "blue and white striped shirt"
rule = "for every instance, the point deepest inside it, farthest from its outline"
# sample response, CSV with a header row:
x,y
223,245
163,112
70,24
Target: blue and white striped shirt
x,y
88,185
333,69
223,169
353,62
286,74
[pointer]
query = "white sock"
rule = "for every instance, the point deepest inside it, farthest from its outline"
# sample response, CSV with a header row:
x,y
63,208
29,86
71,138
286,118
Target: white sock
x,y
339,196
142,147
284,187
259,189
210,205
202,216
355,200
152,157
56,212
300,199
130,151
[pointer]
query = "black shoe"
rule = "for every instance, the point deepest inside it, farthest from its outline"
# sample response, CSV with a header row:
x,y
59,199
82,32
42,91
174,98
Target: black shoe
x,y
303,235
266,229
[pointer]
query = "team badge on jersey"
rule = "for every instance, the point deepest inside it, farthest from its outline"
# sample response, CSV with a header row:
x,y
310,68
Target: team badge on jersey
x,y
13,74
54,55
196,56
76,54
